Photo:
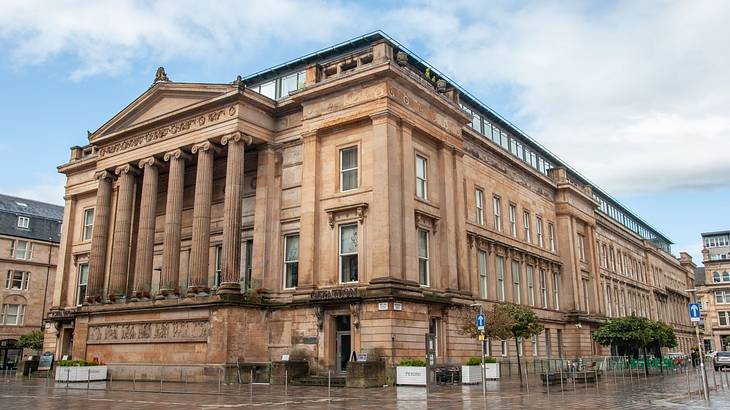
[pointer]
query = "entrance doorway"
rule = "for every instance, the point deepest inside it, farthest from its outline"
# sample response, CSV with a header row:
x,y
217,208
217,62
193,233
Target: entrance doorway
x,y
9,354
343,348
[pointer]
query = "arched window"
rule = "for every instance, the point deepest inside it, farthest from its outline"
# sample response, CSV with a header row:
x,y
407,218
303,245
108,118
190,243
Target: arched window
x,y
726,276
716,277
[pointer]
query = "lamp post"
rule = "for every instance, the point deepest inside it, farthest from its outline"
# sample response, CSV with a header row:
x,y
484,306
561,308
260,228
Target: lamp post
x,y
703,373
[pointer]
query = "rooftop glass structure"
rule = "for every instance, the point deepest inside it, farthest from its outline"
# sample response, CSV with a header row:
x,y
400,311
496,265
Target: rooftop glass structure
x,y
278,81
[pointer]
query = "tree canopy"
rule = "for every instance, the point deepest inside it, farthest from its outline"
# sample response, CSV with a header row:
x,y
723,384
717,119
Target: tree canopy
x,y
33,340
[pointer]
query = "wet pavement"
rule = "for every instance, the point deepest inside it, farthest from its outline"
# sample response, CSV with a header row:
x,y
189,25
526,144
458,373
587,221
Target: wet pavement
x,y
613,392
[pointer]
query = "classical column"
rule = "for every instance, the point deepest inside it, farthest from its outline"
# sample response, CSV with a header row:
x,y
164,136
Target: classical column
x,y
146,229
169,280
201,218
97,258
122,232
231,253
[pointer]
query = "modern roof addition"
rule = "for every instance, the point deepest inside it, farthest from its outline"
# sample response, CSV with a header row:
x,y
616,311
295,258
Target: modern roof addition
x,y
277,81
30,219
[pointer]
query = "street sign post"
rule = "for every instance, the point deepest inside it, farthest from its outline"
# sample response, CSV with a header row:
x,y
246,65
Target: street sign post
x,y
480,322
694,312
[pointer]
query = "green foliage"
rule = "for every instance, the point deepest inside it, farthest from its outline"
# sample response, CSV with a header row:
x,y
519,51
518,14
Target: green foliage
x,y
524,324
490,359
79,362
633,333
474,361
412,363
33,340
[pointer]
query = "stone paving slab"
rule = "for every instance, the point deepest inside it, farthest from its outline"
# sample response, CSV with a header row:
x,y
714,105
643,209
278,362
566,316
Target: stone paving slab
x,y
614,393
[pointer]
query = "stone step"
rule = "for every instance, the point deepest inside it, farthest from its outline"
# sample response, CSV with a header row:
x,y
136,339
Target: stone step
x,y
317,380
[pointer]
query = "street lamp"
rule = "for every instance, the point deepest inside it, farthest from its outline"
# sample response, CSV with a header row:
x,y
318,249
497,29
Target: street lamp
x,y
705,387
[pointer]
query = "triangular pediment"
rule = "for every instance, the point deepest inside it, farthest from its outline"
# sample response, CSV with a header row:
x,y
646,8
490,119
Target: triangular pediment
x,y
160,100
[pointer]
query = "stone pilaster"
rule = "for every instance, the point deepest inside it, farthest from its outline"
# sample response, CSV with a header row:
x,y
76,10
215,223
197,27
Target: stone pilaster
x,y
169,280
97,258
201,218
308,226
231,252
122,233
146,230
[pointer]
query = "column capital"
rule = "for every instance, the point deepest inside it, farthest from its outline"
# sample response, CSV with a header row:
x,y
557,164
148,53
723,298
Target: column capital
x,y
309,134
104,174
204,147
176,154
149,162
126,168
385,114
236,137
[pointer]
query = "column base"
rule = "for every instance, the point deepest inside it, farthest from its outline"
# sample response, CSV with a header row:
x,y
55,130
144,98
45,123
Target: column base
x,y
198,291
112,298
229,288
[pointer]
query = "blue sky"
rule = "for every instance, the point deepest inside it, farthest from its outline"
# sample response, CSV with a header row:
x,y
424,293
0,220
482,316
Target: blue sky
x,y
632,94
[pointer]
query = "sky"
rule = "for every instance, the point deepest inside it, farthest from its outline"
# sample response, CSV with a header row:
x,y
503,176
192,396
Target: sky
x,y
634,95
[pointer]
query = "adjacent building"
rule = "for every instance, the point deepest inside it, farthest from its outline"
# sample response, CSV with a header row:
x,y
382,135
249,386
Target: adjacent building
x,y
713,290
29,235
351,199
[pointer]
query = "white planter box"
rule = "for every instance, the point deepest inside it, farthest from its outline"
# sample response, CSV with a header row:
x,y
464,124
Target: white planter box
x,y
471,374
411,376
491,370
80,373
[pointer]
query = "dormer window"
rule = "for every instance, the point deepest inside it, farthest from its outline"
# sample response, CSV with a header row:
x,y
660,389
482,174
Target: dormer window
x,y
23,222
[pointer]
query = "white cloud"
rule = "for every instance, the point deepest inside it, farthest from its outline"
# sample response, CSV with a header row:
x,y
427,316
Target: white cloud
x,y
40,187
632,94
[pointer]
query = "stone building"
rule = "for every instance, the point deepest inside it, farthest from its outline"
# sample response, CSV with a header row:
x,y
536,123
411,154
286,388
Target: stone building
x,y
341,201
29,235
713,290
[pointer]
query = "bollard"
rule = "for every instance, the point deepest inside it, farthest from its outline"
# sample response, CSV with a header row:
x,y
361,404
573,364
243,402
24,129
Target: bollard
x,y
88,379
134,380
286,382
162,372
250,382
67,376
547,382
111,380
527,382
714,379
561,377
329,385
689,386
219,380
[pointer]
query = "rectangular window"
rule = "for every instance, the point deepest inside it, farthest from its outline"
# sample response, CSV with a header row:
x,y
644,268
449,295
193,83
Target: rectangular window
x,y
585,296
551,236
538,229
543,289
556,291
500,278
519,346
421,177
548,342
88,224
291,261
218,265
560,342
616,303
479,197
83,282
581,247
249,264
609,310
526,226
497,204
513,220
348,253
348,169
534,345
724,318
516,282
531,285
17,280
13,315
482,274
504,348
722,296
423,253
23,222
22,250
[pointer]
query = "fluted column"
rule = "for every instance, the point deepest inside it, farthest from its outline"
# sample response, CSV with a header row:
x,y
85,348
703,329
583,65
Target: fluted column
x,y
231,255
97,258
201,218
122,233
169,281
146,229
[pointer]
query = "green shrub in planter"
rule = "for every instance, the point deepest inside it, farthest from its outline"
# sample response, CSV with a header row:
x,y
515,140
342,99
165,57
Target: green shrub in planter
x,y
474,361
79,363
412,363
490,359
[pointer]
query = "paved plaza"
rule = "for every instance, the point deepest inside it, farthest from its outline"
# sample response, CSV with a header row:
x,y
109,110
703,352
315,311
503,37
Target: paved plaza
x,y
669,391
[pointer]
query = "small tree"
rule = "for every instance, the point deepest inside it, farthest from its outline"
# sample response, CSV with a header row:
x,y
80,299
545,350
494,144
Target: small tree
x,y
662,336
33,341
630,333
525,325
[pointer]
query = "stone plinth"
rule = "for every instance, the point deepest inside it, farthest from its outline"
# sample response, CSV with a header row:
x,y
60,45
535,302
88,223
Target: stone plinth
x,y
366,374
290,370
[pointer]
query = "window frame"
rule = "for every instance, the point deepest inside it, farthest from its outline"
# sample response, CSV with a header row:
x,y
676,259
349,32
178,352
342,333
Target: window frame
x,y
526,225
551,236
516,283
538,231
19,314
479,202
79,275
85,227
582,247
23,222
512,211
356,168
287,263
27,250
500,278
422,182
497,211
426,258
530,272
341,255
556,290
482,261
543,288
